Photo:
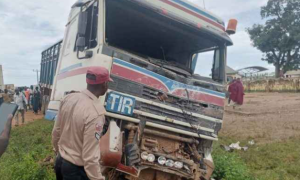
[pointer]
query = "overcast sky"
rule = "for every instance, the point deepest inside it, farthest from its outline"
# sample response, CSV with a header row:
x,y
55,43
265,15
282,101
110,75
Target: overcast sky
x,y
28,27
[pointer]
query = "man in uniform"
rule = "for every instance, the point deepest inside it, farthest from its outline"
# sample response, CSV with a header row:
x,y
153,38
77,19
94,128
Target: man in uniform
x,y
79,123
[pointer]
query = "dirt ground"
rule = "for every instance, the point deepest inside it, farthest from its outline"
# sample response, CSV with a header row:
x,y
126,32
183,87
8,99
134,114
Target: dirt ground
x,y
265,117
29,117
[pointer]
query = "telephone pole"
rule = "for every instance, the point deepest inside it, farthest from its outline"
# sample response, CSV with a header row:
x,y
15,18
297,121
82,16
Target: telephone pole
x,y
37,75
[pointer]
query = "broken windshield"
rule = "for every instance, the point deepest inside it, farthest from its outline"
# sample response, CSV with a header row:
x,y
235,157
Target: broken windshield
x,y
159,39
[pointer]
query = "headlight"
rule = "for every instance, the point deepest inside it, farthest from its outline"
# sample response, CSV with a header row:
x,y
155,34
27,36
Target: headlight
x,y
144,156
161,160
151,158
178,165
170,163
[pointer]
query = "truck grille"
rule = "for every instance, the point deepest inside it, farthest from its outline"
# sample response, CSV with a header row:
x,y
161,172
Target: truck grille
x,y
195,121
148,93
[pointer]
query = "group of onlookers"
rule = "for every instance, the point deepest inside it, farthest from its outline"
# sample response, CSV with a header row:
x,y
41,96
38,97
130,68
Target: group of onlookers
x,y
26,99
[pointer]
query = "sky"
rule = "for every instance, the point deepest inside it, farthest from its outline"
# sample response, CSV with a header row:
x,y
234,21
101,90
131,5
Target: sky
x,y
29,27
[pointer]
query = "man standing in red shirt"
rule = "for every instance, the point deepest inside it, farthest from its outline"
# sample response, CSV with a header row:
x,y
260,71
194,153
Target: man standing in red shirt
x,y
238,95
231,91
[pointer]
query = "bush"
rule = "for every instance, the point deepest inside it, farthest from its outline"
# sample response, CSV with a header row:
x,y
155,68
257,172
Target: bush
x,y
229,166
29,146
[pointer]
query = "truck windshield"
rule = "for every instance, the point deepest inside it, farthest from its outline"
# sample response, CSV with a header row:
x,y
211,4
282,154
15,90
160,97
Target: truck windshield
x,y
153,36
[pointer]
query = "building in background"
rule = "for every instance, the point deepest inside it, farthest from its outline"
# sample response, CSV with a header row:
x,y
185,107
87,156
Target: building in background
x,y
292,74
232,74
254,73
1,79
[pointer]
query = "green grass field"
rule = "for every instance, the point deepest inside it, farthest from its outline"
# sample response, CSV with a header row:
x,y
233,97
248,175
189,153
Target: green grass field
x,y
31,144
273,161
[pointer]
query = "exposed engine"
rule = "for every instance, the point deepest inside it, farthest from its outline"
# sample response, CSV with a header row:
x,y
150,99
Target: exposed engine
x,y
154,154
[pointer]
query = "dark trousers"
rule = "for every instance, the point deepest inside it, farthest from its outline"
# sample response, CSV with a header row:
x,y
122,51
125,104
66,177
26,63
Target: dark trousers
x,y
67,171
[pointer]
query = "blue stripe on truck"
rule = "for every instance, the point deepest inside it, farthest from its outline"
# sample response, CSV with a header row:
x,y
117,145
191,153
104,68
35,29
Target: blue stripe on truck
x,y
74,66
197,10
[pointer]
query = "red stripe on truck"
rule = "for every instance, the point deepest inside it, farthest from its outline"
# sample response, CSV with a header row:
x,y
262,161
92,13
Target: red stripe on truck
x,y
194,14
72,73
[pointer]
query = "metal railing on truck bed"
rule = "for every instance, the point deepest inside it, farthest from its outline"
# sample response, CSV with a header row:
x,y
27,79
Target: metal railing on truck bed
x,y
49,63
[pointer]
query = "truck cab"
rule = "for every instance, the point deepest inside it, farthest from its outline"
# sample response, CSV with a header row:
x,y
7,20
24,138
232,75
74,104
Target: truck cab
x,y
166,111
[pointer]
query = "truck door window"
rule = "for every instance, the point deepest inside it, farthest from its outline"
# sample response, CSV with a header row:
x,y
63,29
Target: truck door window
x,y
203,63
210,64
92,24
218,70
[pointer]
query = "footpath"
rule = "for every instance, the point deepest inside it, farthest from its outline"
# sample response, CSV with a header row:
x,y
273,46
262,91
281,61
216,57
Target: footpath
x,y
29,117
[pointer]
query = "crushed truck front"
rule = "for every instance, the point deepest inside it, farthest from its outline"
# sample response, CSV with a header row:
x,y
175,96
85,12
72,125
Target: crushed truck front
x,y
168,116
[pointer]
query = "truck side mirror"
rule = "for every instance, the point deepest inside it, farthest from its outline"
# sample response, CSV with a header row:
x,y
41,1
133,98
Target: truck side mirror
x,y
88,54
82,23
80,44
81,33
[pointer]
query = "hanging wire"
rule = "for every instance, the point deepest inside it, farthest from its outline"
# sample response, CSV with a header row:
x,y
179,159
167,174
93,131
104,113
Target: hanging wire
x,y
204,4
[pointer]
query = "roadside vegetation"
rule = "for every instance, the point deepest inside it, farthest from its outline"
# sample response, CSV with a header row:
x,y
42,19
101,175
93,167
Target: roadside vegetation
x,y
29,153
30,157
268,161
229,166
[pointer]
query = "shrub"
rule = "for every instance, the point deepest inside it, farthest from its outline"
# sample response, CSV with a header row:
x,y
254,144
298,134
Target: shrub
x,y
229,166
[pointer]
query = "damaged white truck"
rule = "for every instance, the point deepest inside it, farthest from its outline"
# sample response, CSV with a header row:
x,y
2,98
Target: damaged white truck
x,y
162,118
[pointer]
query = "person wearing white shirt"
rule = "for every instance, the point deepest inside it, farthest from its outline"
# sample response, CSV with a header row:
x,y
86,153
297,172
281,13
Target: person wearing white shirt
x,y
21,101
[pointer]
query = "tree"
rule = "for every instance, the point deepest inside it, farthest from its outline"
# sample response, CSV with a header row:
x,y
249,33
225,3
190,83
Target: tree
x,y
279,37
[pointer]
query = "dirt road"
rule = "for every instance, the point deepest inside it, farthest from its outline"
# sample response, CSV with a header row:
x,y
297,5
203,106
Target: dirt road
x,y
29,117
265,117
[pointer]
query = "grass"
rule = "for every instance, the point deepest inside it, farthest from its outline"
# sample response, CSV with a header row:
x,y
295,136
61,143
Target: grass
x,y
229,166
31,144
272,161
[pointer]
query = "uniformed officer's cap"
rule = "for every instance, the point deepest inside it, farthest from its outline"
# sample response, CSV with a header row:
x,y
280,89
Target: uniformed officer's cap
x,y
97,75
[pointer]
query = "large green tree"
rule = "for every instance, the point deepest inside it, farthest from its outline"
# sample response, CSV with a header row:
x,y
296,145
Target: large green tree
x,y
279,37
